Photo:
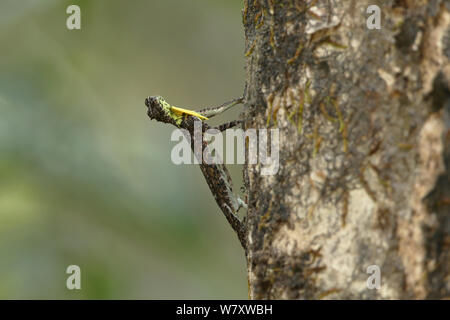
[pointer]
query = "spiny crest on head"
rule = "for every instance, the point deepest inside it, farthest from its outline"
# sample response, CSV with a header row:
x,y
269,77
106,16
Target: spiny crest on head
x,y
154,101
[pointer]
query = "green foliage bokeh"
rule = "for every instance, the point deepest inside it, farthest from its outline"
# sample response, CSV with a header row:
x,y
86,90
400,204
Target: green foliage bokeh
x,y
85,177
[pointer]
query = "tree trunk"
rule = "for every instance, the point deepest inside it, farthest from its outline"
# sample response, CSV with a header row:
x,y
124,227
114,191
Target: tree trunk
x,y
363,117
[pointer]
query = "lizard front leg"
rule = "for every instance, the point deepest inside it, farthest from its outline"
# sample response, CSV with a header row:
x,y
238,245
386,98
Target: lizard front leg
x,y
213,111
228,125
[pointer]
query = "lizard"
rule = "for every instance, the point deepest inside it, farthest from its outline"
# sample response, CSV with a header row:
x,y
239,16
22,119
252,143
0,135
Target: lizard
x,y
216,174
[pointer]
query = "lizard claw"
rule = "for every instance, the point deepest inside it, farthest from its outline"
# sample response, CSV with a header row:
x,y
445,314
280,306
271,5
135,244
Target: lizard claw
x,y
241,203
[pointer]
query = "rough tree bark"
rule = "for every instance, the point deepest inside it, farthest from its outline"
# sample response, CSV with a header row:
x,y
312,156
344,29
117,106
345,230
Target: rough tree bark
x,y
364,118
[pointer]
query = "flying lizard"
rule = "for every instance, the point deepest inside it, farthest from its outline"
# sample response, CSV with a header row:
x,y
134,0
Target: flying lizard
x,y
216,174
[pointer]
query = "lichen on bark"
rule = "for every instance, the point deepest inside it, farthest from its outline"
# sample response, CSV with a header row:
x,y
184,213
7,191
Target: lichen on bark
x,y
364,119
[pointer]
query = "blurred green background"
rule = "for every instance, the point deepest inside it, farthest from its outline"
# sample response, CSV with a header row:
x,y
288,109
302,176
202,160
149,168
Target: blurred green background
x,y
85,177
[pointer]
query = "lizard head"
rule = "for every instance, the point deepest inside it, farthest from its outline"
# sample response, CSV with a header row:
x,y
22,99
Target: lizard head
x,y
156,106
